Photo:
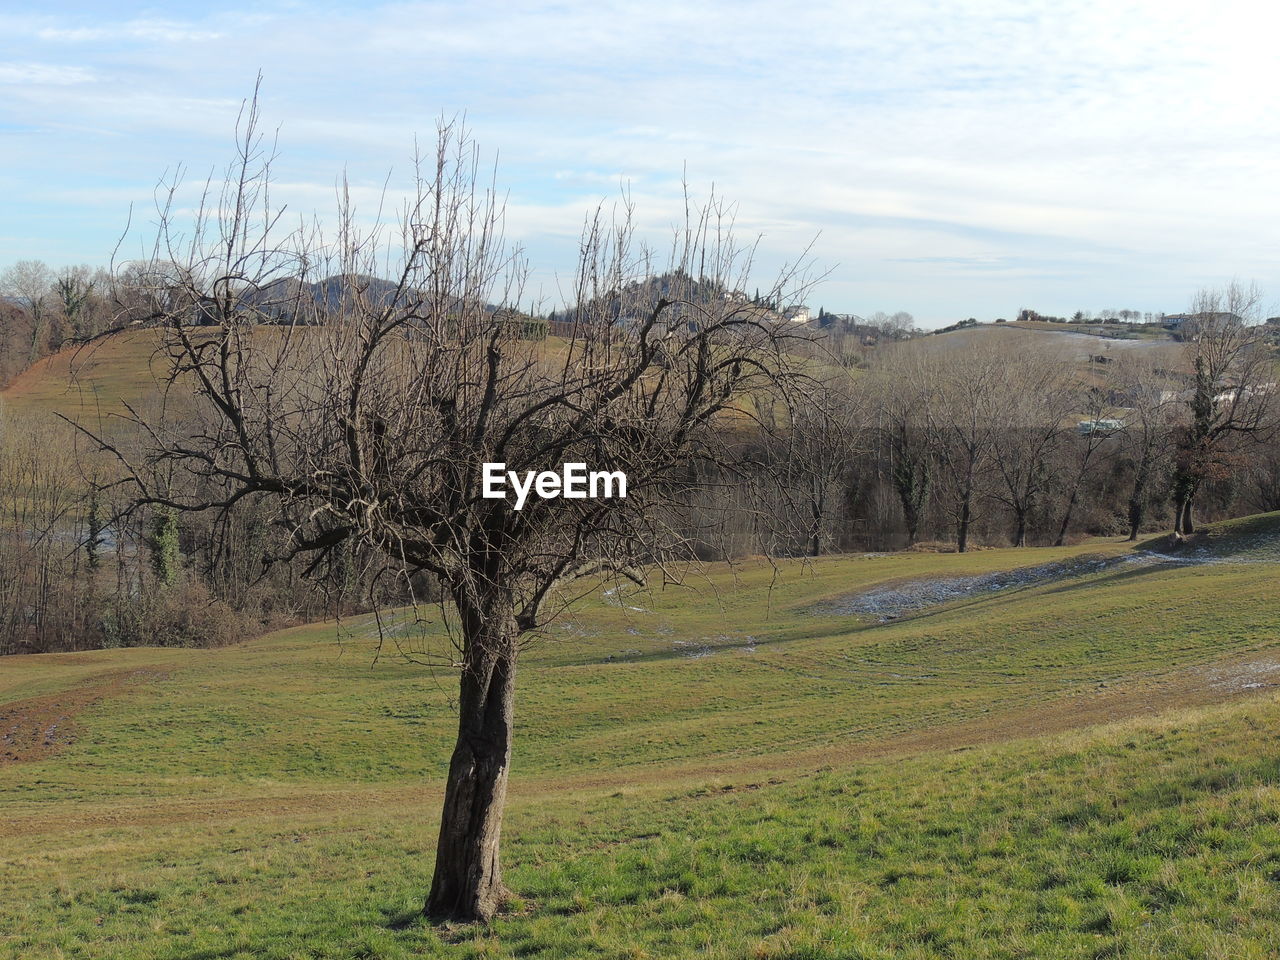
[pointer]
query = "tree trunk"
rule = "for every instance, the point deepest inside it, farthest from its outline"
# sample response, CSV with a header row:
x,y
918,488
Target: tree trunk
x,y
962,535
1137,509
1138,502
1066,517
1179,512
467,884
1184,490
1020,529
817,506
911,482
912,518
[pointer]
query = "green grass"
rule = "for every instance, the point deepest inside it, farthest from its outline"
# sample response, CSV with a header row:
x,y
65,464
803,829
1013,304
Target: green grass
x,y
1082,768
1245,539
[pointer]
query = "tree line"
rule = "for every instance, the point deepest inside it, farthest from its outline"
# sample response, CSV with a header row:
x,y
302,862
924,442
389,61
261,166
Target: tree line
x,y
1014,443
923,446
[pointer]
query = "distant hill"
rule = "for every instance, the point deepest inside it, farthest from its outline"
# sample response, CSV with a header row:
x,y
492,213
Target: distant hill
x,y
635,299
289,299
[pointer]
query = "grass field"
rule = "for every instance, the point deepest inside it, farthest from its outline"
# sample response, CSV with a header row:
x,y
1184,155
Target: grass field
x,y
83,381
98,379
1081,765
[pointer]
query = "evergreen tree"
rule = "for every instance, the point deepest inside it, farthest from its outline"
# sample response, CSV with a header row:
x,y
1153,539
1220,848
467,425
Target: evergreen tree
x,y
95,523
165,558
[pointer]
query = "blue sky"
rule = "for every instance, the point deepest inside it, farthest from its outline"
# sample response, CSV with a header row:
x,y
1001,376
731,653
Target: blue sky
x,y
952,159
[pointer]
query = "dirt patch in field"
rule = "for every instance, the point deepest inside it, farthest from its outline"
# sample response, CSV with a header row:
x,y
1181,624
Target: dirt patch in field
x,y
38,727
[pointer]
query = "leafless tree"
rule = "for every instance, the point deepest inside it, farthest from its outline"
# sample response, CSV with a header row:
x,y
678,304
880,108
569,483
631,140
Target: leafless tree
x,y
902,391
28,282
1087,449
1233,395
72,290
1264,495
966,426
1149,399
825,437
368,415
43,595
1033,400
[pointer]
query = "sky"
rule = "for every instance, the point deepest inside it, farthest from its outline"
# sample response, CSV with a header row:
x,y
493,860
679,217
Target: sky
x,y
947,159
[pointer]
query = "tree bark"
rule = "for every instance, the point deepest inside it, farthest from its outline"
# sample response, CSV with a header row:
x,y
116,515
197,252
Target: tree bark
x,y
817,506
911,481
1184,490
1136,512
467,885
1138,503
1063,530
1182,524
912,518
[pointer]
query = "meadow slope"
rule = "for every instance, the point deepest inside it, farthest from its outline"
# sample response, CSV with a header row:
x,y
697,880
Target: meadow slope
x,y
1077,764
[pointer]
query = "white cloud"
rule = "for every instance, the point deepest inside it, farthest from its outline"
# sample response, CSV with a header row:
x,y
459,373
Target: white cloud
x,y
955,156
43,74
144,31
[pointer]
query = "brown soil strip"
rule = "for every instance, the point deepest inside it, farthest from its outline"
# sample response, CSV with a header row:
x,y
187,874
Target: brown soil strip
x,y
38,727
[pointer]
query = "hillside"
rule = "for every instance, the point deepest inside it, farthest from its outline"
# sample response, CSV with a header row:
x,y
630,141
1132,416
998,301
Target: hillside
x,y
127,367
97,379
83,380
1067,753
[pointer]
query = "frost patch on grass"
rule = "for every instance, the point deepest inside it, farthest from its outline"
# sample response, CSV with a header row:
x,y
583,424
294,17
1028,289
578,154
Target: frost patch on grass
x,y
895,600
693,649
890,602
1259,548
612,598
706,646
1253,675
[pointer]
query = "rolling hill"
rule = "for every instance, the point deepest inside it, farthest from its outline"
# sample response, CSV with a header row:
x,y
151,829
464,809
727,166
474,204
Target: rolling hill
x,y
1068,753
84,380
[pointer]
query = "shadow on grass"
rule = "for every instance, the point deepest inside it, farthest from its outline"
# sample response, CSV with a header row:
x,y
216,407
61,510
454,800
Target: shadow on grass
x,y
1125,577
404,918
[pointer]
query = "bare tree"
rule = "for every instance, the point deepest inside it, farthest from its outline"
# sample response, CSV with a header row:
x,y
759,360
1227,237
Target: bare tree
x,y
1150,399
43,596
1099,429
965,424
369,416
1232,396
824,439
28,282
73,289
902,389
1264,495
1033,399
